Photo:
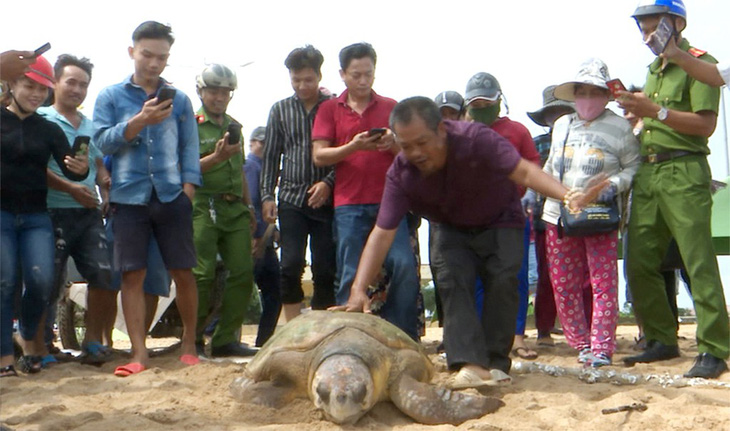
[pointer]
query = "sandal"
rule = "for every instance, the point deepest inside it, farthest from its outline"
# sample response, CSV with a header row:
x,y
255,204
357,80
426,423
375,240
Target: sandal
x,y
525,353
8,371
95,353
48,361
30,364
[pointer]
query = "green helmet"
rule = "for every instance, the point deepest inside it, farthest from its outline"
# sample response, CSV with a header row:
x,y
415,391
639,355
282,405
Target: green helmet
x,y
217,75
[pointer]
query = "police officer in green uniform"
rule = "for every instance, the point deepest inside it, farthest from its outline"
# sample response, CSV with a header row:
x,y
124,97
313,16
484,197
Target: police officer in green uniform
x,y
671,196
222,215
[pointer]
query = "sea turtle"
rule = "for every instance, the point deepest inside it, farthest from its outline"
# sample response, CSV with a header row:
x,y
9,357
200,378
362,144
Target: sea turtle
x,y
347,362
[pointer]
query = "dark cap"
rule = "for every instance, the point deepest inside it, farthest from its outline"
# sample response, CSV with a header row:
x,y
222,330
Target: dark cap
x,y
548,102
258,134
482,86
450,99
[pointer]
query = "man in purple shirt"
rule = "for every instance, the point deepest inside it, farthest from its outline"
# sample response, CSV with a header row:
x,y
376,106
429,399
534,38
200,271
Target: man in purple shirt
x,y
463,178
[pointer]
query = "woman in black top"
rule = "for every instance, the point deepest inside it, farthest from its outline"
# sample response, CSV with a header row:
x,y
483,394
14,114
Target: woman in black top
x,y
27,141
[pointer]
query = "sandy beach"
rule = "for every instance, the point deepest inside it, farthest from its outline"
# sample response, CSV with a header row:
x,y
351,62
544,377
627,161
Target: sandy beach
x,y
172,396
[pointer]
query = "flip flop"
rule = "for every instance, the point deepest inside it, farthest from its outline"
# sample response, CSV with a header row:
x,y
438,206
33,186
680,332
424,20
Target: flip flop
x,y
8,371
129,369
500,378
545,341
466,379
48,361
524,353
189,359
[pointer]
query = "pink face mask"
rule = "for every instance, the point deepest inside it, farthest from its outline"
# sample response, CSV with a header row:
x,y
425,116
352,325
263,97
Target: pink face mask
x,y
590,108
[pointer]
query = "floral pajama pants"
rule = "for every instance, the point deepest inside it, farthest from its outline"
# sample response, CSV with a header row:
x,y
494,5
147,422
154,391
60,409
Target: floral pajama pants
x,y
568,258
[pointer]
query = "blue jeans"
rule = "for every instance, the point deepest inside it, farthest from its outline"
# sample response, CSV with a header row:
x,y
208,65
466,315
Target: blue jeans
x,y
27,247
353,224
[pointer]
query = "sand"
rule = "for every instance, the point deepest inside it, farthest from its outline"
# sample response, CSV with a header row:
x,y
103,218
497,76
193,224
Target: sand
x,y
171,396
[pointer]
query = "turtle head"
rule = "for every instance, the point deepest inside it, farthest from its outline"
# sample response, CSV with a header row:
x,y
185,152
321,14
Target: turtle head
x,y
343,388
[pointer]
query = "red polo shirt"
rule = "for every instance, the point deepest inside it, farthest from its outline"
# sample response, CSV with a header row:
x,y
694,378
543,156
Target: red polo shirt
x,y
520,137
359,178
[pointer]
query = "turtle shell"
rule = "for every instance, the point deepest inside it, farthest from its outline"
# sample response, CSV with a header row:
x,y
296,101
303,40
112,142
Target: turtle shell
x,y
306,332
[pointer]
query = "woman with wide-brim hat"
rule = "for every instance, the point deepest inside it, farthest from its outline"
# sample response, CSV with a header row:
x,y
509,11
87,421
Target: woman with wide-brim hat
x,y
592,142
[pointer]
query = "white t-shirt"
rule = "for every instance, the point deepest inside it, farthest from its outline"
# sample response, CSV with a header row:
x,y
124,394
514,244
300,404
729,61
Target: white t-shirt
x,y
724,69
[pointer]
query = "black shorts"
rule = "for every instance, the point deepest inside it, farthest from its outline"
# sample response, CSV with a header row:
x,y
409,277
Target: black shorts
x,y
172,225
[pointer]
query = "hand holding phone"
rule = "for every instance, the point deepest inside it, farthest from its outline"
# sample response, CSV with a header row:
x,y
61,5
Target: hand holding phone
x,y
81,145
657,41
376,132
614,86
165,93
234,133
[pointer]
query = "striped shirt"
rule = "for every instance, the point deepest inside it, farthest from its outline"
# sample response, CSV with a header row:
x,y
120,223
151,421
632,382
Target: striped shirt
x,y
289,134
605,145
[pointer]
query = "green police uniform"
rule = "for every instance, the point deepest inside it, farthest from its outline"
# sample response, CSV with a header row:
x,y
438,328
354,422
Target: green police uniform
x,y
221,225
671,197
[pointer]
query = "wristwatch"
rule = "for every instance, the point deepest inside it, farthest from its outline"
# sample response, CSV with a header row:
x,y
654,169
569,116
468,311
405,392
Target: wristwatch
x,y
662,114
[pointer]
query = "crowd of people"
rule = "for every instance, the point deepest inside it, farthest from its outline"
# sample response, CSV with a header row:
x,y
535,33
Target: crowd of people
x,y
163,192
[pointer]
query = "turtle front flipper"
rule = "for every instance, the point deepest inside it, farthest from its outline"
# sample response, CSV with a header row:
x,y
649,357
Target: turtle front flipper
x,y
265,393
433,405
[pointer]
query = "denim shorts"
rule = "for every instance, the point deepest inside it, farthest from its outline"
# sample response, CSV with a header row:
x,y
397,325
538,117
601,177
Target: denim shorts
x,y
80,234
171,224
156,280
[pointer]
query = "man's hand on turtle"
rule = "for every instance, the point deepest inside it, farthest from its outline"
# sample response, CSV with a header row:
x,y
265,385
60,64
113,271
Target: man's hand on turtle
x,y
358,303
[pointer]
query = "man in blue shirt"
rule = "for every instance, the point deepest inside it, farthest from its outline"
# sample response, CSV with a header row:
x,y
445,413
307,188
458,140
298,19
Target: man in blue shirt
x,y
74,210
266,270
154,146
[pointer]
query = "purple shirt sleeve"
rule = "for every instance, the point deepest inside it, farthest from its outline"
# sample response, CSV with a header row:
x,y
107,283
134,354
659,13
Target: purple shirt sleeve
x,y
395,202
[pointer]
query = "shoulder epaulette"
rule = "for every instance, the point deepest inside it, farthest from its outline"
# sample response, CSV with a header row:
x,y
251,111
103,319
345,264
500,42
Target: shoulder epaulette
x,y
696,52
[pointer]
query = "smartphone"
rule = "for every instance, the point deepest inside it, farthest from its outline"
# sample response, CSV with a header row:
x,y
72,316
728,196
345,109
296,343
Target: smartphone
x,y
165,93
658,40
378,131
81,145
615,85
234,133
43,48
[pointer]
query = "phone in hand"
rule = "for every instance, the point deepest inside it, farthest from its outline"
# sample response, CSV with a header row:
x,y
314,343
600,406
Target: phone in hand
x,y
42,49
658,40
614,86
165,93
81,145
234,133
376,132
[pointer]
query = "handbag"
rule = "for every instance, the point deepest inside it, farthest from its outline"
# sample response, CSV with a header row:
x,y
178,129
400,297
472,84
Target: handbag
x,y
594,219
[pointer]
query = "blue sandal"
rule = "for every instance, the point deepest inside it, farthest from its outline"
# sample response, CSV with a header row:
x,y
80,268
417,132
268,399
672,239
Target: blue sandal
x,y
95,353
48,361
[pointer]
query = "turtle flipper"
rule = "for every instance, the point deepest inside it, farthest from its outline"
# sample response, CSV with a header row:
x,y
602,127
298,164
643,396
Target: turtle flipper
x,y
264,393
432,405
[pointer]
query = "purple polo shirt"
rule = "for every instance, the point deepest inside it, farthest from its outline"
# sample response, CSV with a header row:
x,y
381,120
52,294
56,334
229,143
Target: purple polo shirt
x,y
472,191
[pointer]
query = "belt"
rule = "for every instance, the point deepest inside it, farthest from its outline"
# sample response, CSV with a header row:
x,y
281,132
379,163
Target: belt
x,y
228,197
663,157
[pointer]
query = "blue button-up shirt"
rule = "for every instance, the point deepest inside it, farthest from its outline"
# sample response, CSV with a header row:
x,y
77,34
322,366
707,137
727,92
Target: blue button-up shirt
x,y
56,198
253,176
163,156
